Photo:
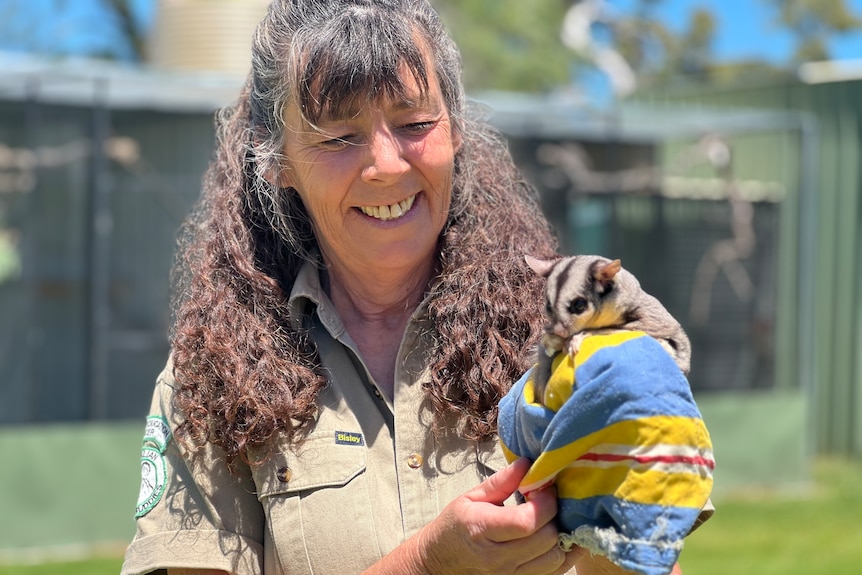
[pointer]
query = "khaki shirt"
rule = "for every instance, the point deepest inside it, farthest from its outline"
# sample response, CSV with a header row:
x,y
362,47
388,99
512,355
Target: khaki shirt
x,y
369,475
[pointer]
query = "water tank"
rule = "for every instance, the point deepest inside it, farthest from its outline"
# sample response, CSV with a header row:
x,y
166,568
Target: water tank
x,y
204,35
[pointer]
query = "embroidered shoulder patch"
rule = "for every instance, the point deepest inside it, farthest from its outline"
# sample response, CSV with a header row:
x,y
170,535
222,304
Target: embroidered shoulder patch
x,y
348,438
154,479
157,433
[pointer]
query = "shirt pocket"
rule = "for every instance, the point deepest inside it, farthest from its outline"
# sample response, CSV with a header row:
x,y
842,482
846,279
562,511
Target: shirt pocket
x,y
317,506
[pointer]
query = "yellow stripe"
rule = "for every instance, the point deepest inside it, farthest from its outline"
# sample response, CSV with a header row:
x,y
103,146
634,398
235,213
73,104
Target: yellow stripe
x,y
561,383
596,342
651,487
656,430
529,391
507,453
562,380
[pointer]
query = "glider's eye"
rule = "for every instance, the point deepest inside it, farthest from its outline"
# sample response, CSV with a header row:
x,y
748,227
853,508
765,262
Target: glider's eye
x,y
577,306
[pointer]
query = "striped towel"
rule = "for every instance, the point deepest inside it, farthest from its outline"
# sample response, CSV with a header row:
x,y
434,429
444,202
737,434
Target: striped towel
x,y
626,446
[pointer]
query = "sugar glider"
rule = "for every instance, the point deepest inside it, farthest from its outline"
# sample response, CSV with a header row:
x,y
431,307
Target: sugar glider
x,y
586,293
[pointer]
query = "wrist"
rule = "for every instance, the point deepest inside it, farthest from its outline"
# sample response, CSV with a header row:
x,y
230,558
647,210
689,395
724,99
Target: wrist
x,y
421,545
406,559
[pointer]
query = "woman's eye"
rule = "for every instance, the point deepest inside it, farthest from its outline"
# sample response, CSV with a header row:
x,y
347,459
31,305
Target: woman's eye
x,y
336,143
418,127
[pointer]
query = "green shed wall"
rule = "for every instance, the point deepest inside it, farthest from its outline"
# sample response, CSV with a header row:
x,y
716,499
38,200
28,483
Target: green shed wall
x,y
836,320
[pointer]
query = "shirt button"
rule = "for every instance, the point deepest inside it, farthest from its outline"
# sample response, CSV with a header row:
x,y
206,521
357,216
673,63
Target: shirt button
x,y
284,474
414,461
378,394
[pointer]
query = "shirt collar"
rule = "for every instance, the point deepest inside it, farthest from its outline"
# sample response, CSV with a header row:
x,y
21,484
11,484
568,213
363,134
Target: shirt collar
x,y
308,290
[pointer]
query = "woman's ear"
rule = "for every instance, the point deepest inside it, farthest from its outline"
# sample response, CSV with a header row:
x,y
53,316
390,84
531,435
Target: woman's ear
x,y
283,178
457,140
278,175
274,170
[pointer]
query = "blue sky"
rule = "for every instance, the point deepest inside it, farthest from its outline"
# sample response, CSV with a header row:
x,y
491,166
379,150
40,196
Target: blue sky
x,y
745,28
66,26
79,26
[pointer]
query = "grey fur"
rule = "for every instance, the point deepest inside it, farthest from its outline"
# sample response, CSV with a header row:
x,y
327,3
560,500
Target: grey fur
x,y
611,297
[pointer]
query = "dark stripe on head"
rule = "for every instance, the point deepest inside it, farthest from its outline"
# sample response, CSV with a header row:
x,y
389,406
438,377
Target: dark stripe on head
x,y
561,279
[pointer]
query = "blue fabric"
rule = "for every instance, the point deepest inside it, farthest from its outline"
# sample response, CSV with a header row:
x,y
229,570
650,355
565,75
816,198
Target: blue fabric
x,y
628,449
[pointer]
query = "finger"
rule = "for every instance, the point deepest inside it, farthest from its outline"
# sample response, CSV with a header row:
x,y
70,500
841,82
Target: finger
x,y
525,520
513,522
548,488
599,564
500,486
536,553
550,561
573,558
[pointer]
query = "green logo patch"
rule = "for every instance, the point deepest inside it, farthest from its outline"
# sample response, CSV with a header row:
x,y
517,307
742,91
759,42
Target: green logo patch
x,y
154,480
157,433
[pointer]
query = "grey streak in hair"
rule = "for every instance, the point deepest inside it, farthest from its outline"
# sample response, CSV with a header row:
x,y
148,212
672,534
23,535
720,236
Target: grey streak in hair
x,y
351,52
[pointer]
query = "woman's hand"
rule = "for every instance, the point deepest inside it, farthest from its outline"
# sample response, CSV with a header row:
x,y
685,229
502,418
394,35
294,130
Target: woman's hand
x,y
475,533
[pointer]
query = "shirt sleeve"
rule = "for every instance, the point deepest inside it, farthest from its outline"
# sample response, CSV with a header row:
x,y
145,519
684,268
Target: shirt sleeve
x,y
192,512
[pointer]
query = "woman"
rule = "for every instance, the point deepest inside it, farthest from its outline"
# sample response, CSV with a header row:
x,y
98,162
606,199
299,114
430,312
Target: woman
x,y
352,305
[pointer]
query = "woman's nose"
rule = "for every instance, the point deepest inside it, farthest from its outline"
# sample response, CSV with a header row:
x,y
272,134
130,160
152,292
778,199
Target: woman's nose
x,y
385,161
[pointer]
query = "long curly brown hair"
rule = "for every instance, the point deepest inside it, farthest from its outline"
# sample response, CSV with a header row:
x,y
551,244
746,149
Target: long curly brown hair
x,y
245,369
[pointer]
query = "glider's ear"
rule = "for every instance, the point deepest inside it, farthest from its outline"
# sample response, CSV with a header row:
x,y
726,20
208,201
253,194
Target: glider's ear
x,y
541,267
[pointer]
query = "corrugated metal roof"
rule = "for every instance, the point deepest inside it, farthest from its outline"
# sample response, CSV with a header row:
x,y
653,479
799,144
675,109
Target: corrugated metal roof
x,y
84,82
550,116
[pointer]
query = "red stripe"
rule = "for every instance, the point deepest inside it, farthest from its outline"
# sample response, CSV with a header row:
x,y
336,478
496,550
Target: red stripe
x,y
611,457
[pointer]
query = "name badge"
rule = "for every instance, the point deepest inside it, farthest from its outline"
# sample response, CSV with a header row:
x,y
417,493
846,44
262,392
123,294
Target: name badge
x,y
348,438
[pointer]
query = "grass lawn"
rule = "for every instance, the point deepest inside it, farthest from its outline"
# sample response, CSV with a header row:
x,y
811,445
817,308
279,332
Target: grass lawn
x,y
101,566
811,533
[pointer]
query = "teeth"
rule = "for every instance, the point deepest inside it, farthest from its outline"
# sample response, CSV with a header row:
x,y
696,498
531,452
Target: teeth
x,y
392,212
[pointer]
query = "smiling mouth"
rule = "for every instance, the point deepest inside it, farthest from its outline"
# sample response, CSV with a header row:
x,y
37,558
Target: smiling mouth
x,y
391,212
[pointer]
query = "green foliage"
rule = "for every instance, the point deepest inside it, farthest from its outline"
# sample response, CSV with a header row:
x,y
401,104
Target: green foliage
x,y
814,22
124,15
509,44
693,55
515,45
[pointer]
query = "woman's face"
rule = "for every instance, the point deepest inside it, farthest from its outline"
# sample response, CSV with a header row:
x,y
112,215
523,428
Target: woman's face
x,y
377,184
